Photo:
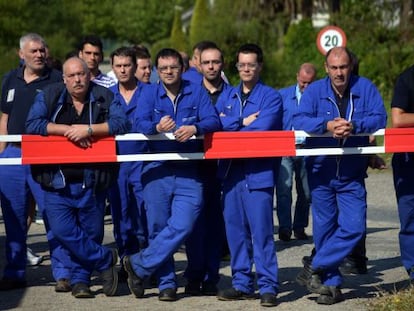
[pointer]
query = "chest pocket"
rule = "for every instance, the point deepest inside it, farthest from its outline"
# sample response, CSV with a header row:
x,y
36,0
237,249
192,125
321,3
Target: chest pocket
x,y
188,115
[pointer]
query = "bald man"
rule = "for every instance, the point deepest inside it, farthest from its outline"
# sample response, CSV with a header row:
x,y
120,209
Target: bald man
x,y
294,165
74,194
341,105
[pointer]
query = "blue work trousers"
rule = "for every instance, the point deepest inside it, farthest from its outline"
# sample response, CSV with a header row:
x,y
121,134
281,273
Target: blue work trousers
x,y
339,211
128,215
204,246
17,189
403,169
288,167
248,216
75,215
173,199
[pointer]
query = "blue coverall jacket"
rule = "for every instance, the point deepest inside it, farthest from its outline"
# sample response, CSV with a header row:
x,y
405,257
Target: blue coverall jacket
x,y
365,110
186,110
259,172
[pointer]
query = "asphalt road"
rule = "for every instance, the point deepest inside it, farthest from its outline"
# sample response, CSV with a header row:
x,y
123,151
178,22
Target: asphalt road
x,y
385,271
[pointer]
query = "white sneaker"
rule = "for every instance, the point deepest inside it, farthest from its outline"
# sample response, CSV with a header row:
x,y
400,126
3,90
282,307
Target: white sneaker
x,y
33,259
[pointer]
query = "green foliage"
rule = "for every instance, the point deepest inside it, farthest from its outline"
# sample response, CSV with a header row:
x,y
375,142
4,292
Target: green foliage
x,y
142,21
299,47
157,46
13,22
384,49
398,301
200,22
178,39
249,21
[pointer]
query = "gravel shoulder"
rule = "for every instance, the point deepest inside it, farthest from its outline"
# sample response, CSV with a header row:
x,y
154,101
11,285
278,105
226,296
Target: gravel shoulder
x,y
385,270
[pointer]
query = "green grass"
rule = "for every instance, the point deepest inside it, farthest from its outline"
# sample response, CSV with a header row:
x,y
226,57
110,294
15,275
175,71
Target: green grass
x,y
398,301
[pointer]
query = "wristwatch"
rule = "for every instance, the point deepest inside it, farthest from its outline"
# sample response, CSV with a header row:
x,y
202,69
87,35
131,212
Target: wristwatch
x,y
90,131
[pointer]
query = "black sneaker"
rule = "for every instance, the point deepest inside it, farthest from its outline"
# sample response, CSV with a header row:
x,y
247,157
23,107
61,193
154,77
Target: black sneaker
x,y
329,295
234,294
82,290
268,300
193,288
305,274
284,235
168,294
209,288
63,286
351,266
314,283
110,276
300,234
135,283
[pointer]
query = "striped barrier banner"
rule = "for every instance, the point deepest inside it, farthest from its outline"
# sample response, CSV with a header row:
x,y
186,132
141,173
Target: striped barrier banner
x,y
219,145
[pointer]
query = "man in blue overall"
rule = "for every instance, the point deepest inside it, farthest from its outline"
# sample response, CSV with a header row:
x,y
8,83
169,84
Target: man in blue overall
x,y
204,247
402,112
17,188
342,104
173,191
75,194
294,165
248,184
126,196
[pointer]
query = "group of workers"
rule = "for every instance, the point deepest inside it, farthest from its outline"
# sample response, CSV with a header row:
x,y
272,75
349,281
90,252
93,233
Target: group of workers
x,y
158,206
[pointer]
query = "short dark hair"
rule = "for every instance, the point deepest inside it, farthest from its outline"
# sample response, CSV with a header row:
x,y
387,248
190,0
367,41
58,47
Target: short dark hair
x,y
141,52
202,45
211,46
92,40
124,51
250,48
167,52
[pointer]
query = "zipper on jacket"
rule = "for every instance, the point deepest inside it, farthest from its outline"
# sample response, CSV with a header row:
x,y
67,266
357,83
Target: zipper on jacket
x,y
340,141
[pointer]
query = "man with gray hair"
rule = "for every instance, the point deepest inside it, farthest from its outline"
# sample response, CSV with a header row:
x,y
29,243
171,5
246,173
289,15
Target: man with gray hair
x,y
17,188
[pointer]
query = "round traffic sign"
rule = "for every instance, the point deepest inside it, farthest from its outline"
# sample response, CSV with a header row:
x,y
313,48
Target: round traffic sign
x,y
329,37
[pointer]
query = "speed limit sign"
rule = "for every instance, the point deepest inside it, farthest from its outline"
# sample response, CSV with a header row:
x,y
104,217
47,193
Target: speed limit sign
x,y
330,37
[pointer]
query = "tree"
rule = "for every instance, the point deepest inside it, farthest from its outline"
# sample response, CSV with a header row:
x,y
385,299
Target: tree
x,y
146,21
178,39
200,22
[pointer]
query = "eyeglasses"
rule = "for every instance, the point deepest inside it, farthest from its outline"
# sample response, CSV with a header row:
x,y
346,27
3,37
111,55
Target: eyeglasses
x,y
213,62
164,69
250,66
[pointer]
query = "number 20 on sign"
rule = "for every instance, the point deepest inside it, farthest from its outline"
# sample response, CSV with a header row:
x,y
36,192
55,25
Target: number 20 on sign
x,y
330,37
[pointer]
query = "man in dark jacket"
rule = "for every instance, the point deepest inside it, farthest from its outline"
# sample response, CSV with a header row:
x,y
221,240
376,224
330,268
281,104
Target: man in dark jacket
x,y
74,193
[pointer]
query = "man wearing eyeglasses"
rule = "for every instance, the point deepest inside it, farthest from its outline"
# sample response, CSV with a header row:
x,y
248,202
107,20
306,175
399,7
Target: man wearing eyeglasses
x,y
343,105
248,184
173,190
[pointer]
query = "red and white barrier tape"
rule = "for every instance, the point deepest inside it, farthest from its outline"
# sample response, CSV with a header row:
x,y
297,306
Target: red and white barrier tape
x,y
56,149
